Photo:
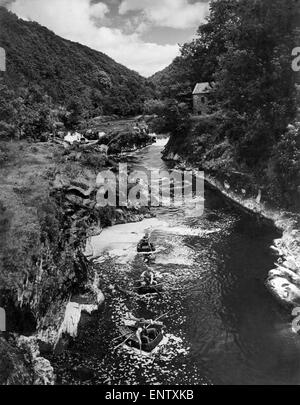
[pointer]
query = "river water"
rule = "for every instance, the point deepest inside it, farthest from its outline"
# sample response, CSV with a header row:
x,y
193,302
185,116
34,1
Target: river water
x,y
223,325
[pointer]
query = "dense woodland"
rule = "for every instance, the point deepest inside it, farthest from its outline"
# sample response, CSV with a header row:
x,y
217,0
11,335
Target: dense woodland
x,y
46,71
245,50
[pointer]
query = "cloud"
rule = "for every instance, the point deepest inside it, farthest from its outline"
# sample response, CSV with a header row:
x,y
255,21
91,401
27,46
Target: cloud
x,y
65,17
75,20
98,10
168,13
5,3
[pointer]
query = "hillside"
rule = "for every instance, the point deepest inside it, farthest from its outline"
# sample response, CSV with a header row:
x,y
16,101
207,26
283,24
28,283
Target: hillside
x,y
174,80
251,126
64,69
166,76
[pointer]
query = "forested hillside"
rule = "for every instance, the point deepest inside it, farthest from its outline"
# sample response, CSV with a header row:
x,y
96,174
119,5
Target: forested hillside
x,y
174,80
65,70
245,49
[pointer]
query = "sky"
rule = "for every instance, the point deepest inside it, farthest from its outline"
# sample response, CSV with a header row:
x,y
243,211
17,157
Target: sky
x,y
141,34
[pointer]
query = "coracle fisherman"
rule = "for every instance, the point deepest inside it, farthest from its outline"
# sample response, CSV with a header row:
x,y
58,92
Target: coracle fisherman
x,y
148,278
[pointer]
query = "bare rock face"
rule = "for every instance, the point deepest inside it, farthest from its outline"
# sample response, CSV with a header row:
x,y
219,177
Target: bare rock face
x,y
84,303
63,324
13,367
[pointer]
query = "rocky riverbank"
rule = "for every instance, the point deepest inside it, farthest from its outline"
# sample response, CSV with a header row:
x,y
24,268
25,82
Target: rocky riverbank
x,y
48,207
284,280
119,135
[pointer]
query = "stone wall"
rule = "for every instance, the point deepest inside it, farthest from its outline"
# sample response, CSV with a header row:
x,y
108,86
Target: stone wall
x,y
200,104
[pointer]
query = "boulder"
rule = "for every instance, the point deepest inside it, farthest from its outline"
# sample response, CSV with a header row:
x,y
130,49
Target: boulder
x,y
75,137
284,290
286,273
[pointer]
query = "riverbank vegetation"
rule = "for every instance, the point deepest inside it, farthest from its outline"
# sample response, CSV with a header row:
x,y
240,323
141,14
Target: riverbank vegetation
x,y
245,50
40,258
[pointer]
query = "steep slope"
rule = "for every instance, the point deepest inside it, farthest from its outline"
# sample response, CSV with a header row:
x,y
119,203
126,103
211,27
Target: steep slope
x,y
252,126
175,80
65,69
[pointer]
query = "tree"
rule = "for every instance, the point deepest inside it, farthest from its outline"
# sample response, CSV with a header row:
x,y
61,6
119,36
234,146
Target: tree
x,y
8,111
33,118
154,106
244,48
254,77
74,114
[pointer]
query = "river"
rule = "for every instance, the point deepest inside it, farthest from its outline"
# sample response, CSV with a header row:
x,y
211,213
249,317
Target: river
x,y
223,325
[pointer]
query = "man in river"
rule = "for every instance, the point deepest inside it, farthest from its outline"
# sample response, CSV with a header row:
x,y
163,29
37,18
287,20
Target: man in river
x,y
145,244
139,336
148,278
145,335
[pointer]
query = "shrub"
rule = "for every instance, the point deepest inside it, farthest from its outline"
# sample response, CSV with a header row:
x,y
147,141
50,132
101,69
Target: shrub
x,y
283,171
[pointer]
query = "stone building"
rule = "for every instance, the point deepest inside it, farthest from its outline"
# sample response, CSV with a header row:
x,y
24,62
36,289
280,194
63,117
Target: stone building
x,y
200,98
2,60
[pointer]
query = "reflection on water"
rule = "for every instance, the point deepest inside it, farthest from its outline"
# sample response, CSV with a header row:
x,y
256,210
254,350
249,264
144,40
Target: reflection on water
x,y
222,324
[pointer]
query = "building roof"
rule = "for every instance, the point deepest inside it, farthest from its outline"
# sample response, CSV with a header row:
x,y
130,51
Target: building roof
x,y
201,88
